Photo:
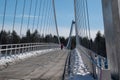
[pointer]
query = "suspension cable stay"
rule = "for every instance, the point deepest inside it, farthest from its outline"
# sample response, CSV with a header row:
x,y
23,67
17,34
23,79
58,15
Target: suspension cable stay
x,y
5,6
29,14
14,15
88,18
39,14
45,18
22,17
42,18
4,14
56,21
50,19
36,2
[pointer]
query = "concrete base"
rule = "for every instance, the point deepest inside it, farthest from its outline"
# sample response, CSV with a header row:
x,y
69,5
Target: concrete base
x,y
105,74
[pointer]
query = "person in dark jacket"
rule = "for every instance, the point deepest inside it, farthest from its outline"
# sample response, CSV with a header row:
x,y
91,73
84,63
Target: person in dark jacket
x,y
62,46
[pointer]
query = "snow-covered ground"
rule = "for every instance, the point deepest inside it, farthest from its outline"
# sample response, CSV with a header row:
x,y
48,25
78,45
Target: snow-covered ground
x,y
5,61
78,70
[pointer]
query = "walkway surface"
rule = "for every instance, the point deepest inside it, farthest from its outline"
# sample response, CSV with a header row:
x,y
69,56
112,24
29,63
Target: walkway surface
x,y
78,70
49,66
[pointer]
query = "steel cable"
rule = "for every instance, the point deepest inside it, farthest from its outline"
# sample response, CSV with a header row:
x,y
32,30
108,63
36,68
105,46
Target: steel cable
x,y
22,17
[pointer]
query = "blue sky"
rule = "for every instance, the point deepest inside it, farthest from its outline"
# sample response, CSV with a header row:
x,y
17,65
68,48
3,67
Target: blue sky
x,y
64,12
10,15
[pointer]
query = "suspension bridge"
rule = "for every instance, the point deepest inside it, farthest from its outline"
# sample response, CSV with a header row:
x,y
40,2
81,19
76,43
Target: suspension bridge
x,y
30,46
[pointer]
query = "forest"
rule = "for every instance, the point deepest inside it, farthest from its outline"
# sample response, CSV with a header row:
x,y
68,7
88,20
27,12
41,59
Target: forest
x,y
97,45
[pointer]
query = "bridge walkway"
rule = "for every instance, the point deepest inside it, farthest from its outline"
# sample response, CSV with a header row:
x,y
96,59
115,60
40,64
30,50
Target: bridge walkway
x,y
49,66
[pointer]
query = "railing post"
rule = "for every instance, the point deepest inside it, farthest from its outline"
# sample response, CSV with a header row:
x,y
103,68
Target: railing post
x,y
22,48
0,52
105,74
36,46
16,49
29,47
11,49
102,62
19,49
6,52
93,67
32,47
25,48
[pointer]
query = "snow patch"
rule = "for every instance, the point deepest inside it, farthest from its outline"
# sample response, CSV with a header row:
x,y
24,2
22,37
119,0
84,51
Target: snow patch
x,y
78,70
5,61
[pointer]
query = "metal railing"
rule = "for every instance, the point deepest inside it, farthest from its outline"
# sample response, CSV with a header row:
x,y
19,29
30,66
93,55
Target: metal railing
x,y
13,49
95,63
100,61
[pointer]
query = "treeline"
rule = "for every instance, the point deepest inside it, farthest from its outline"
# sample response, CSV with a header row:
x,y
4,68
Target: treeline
x,y
97,45
14,38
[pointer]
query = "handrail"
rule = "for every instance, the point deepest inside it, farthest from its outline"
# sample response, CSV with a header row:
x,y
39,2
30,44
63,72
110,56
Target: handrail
x,y
91,59
24,47
23,43
93,54
94,62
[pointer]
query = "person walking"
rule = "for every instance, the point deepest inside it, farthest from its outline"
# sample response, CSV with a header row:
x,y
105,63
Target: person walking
x,y
62,46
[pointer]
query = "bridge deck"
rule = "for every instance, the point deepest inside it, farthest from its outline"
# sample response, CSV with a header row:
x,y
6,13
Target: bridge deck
x,y
48,66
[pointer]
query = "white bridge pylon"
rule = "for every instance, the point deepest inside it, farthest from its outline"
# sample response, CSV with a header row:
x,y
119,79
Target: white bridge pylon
x,y
70,35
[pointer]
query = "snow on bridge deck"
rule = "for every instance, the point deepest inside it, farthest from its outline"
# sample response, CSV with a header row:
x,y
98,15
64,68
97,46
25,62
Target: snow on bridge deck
x,y
78,69
48,66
